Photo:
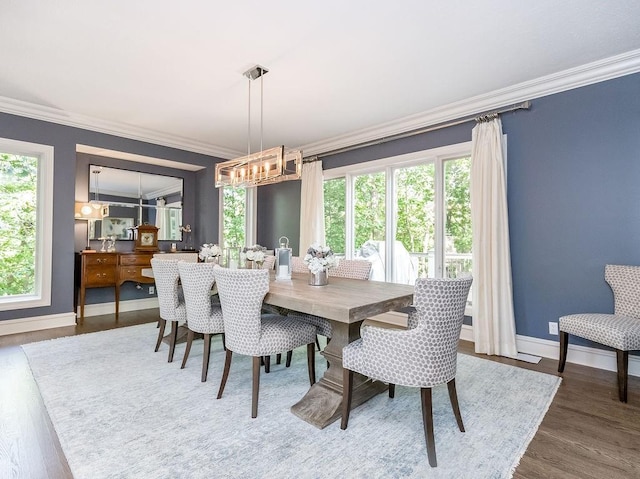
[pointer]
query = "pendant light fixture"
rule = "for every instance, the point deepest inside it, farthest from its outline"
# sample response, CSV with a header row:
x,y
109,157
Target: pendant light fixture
x,y
268,166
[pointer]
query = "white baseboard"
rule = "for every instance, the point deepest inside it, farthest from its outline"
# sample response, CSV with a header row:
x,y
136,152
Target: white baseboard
x,y
99,309
25,325
586,356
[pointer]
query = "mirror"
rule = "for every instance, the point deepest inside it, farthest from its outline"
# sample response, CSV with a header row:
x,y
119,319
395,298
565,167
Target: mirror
x,y
135,198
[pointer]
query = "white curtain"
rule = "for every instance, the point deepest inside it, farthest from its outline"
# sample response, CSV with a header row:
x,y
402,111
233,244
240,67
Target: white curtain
x,y
161,217
493,319
311,206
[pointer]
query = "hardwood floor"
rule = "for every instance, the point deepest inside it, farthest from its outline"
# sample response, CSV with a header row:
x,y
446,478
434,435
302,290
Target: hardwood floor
x,y
587,432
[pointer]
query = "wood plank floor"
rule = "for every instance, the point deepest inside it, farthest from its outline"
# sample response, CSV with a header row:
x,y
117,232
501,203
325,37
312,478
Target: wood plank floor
x,y
587,432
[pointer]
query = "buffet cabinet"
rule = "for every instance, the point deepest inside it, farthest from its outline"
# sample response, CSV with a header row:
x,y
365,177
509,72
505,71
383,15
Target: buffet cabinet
x,y
100,270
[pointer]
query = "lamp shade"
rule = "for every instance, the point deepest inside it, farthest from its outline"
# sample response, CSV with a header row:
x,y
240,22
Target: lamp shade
x,y
86,211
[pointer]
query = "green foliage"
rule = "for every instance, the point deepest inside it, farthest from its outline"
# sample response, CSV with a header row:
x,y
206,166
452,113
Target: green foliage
x,y
369,208
18,201
334,214
415,207
234,216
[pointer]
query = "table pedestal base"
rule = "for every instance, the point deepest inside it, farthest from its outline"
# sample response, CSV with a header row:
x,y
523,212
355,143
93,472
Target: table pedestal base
x,y
322,404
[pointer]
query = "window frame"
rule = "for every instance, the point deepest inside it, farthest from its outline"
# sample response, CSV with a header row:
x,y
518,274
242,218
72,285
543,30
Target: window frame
x,y
250,220
389,165
44,224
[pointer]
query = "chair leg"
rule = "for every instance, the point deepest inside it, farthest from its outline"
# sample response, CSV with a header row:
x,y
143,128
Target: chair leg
x,y
225,372
453,397
347,390
256,386
318,343
205,357
623,373
278,358
174,338
289,356
392,390
564,345
188,348
162,324
224,343
427,421
267,364
311,363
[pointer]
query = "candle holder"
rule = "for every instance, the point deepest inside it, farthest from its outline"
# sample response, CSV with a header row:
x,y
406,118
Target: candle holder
x,y
283,260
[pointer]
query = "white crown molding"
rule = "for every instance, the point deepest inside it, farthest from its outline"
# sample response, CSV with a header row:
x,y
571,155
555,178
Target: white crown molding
x,y
595,72
123,130
601,70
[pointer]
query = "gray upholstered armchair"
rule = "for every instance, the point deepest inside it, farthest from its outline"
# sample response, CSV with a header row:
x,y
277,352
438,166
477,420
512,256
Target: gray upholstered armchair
x,y
424,356
620,331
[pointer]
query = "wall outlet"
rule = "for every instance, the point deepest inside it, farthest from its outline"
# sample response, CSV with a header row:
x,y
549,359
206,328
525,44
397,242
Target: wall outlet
x,y
152,290
553,328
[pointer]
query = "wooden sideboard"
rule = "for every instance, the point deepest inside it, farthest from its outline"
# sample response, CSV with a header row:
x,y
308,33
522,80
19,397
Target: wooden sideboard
x,y
100,270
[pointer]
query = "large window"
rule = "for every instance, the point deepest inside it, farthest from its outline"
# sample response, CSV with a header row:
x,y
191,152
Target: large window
x,y
237,216
410,215
26,199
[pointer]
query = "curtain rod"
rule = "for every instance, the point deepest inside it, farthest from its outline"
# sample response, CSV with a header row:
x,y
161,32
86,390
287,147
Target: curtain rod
x,y
525,105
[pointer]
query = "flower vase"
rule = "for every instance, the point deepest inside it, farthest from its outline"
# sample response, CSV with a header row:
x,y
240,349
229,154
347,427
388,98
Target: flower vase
x,y
212,259
321,278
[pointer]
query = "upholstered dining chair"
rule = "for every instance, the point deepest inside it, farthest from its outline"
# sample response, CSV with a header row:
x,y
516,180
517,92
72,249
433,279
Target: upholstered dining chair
x,y
269,262
204,314
170,299
620,331
351,268
298,265
423,356
347,268
249,332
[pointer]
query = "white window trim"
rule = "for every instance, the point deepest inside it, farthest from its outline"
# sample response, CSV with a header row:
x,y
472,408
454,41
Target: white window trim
x,y
251,215
44,224
436,155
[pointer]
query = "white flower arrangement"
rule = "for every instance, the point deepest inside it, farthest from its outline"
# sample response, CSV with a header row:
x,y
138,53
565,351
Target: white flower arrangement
x,y
254,253
209,250
320,258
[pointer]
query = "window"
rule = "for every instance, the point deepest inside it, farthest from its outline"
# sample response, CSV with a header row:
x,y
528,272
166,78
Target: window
x,y
237,216
26,212
413,209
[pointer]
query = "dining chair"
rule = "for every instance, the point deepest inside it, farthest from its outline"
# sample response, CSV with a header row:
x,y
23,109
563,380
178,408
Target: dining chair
x,y
620,330
251,333
170,300
347,268
351,268
180,256
269,262
204,314
298,265
423,356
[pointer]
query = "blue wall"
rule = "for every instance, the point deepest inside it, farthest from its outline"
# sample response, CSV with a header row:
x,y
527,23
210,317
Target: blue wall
x,y
66,234
574,200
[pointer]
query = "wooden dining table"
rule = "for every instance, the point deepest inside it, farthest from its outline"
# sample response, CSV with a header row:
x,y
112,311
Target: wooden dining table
x,y
346,303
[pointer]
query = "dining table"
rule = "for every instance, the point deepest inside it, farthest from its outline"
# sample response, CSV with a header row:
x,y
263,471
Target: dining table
x,y
346,303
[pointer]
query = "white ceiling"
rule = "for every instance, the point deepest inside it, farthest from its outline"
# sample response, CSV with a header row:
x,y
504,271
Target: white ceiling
x,y
171,71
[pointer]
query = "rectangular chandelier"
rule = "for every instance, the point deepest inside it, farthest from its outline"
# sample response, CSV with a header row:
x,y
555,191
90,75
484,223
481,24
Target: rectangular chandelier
x,y
261,168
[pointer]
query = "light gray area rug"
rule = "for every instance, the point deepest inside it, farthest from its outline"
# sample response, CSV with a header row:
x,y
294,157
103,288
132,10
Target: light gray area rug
x,y
121,411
